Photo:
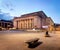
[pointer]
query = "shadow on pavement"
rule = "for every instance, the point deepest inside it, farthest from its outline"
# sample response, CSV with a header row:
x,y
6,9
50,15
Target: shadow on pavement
x,y
35,45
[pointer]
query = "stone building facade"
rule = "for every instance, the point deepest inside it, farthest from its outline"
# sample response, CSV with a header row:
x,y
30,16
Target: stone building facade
x,y
50,24
31,20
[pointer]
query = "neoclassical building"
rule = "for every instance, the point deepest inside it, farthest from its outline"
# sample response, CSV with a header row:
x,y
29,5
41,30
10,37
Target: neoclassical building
x,y
32,20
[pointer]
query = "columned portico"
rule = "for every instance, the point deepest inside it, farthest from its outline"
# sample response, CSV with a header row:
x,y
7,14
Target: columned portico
x,y
25,24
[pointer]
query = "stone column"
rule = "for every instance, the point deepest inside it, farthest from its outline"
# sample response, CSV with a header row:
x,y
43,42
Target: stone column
x,y
17,24
20,24
23,24
27,23
30,24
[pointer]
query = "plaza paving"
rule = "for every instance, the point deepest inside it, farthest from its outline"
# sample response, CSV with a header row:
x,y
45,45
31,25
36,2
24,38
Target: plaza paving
x,y
15,40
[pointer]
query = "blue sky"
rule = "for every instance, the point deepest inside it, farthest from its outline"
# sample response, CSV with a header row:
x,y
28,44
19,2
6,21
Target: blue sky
x,y
19,7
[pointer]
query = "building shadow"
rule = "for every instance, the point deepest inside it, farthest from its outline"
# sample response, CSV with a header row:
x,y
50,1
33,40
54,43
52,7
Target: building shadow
x,y
35,45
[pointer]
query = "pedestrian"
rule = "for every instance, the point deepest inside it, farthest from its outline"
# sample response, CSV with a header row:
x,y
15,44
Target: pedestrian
x,y
47,34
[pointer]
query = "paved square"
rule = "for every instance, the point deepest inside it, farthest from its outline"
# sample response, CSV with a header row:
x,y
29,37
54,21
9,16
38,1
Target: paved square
x,y
15,40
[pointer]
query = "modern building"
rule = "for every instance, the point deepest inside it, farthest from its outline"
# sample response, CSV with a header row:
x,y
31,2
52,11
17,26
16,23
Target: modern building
x,y
37,20
5,24
56,27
